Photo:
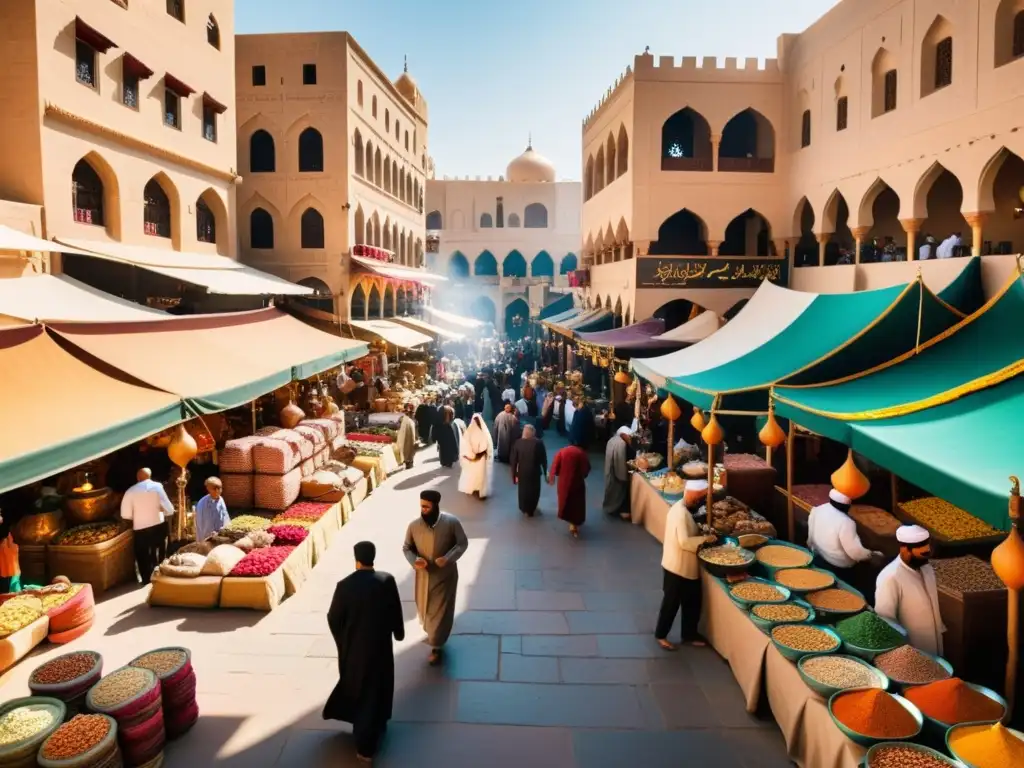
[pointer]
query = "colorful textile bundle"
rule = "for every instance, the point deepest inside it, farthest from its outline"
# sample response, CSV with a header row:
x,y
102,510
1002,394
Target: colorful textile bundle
x,y
261,562
329,428
173,667
277,492
236,457
132,696
279,451
288,535
304,510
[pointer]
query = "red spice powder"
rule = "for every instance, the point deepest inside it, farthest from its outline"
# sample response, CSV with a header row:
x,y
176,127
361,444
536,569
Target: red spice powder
x,y
874,713
952,701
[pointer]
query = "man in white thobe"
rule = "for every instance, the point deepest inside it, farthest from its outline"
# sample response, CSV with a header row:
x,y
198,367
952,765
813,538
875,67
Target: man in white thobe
x,y
476,457
832,536
146,505
906,591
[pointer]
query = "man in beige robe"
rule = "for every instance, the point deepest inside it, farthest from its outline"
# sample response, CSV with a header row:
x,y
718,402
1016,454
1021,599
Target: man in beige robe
x,y
433,545
407,437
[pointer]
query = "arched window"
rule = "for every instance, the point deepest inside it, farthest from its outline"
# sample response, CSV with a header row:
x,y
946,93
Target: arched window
x,y
261,229
87,194
261,153
359,92
398,129
206,223
937,56
407,141
805,129
622,153
156,214
357,142
387,119
542,265
884,83
434,220
842,113
568,264
514,265
373,107
535,216
213,32
513,220
311,151
485,221
312,227
944,63
486,264
458,266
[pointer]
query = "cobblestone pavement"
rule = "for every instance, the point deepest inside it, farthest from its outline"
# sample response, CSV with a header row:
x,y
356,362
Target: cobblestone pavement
x,y
552,663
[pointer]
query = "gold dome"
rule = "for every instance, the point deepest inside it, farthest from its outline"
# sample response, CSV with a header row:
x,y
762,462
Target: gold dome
x,y
530,167
406,84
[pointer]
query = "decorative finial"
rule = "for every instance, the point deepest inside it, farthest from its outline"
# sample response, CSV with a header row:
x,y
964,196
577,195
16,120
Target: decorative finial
x,y
647,50
406,68
529,141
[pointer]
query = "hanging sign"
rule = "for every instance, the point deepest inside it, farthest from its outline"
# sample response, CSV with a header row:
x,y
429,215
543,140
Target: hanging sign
x,y
700,272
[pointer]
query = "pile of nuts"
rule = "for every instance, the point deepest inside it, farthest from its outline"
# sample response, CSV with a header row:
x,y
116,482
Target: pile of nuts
x,y
726,554
904,757
23,723
123,685
161,663
90,533
946,520
787,612
804,637
966,574
53,600
758,592
836,599
781,556
63,669
804,578
80,734
840,672
18,613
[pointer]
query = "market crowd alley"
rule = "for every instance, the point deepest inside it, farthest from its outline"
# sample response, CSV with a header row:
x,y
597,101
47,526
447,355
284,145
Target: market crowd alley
x,y
553,661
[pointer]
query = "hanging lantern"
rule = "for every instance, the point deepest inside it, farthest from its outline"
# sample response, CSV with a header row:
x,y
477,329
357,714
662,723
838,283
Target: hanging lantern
x,y
669,409
291,415
623,378
1008,557
849,480
771,433
712,434
182,448
697,420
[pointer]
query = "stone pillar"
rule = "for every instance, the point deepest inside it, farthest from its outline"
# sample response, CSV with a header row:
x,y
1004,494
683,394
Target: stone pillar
x,y
715,141
780,247
911,227
859,235
713,246
823,238
641,247
977,222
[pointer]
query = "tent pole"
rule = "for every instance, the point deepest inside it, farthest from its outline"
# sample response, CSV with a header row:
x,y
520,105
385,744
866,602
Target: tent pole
x,y
1013,646
254,417
894,490
790,523
709,500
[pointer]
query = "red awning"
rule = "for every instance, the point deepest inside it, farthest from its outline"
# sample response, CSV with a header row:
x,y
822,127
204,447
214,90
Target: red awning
x,y
213,104
92,37
174,84
136,68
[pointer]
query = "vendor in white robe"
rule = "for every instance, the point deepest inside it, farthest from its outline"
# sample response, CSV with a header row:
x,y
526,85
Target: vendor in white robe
x,y
906,591
832,537
476,458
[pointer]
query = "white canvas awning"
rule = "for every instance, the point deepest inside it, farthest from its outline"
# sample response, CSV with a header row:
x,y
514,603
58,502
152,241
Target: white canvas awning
x,y
392,333
48,297
218,274
457,320
702,326
398,272
434,330
13,240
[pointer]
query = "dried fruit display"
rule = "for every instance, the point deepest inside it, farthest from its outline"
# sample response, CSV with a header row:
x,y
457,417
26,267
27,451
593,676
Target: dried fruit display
x,y
88,534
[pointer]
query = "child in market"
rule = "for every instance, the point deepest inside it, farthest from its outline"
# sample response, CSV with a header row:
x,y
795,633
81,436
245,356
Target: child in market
x,y
211,511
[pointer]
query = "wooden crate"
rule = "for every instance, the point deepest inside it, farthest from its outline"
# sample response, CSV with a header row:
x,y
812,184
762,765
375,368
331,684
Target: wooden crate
x,y
32,560
975,639
103,565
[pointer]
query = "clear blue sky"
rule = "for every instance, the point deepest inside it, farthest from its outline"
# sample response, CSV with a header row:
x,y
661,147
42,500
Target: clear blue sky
x,y
492,72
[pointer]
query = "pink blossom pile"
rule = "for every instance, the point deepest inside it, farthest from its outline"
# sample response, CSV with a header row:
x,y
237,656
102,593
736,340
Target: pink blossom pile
x,y
261,562
304,510
288,535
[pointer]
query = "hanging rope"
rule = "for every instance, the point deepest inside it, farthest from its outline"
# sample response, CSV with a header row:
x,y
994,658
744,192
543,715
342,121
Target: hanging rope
x,y
920,309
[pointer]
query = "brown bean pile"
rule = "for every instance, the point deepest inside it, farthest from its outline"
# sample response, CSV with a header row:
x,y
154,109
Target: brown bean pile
x,y
804,578
63,668
836,599
804,637
906,664
781,556
780,612
755,590
123,685
904,757
78,735
966,574
161,663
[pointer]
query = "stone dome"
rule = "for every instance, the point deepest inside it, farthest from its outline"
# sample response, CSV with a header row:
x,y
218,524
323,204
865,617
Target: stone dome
x,y
530,167
406,84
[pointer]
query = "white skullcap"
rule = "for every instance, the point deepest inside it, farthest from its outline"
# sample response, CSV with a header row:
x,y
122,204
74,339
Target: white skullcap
x,y
840,498
912,534
696,485
624,431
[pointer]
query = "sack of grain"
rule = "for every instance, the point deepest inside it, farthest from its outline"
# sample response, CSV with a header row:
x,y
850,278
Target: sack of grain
x,y
222,559
236,456
329,427
237,490
313,435
280,452
277,492
323,486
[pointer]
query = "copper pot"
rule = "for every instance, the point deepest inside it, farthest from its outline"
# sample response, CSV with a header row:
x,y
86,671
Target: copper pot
x,y
88,506
39,528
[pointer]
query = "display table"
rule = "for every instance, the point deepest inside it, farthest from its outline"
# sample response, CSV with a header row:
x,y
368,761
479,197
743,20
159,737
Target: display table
x,y
372,468
298,566
103,565
647,507
750,479
178,592
257,594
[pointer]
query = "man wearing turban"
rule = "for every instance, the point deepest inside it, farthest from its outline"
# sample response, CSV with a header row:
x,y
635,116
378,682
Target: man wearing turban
x,y
433,545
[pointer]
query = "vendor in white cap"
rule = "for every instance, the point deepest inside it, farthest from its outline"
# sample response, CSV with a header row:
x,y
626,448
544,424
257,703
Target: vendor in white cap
x,y
906,591
832,536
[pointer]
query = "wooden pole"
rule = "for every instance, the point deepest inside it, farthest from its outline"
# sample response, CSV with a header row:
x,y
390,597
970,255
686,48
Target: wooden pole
x,y
790,522
711,485
894,490
1013,646
671,445
254,417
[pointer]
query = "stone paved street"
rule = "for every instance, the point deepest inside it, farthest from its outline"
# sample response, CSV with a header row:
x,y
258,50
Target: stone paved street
x,y
553,662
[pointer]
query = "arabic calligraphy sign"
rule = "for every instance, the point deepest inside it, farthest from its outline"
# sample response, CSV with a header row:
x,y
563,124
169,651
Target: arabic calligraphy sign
x,y
702,272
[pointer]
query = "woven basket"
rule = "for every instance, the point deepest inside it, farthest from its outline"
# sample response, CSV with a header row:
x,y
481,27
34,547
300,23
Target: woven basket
x,y
74,612
69,689
177,724
103,565
106,754
237,490
130,709
62,638
22,754
176,675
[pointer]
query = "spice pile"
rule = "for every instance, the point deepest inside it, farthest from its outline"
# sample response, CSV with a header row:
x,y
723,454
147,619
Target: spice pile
x,y
946,520
304,510
781,556
952,701
987,746
132,697
261,562
805,638
786,612
869,630
24,723
906,664
904,757
874,519
247,523
757,591
18,613
836,599
68,678
173,666
288,535
874,713
804,578
726,554
79,735
752,540
966,574
840,672
63,669
90,533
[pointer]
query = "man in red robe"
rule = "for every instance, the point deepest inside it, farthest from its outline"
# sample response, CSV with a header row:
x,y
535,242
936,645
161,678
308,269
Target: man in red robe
x,y
571,466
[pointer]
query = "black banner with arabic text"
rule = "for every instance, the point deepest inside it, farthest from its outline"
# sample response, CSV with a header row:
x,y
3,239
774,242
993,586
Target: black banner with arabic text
x,y
701,272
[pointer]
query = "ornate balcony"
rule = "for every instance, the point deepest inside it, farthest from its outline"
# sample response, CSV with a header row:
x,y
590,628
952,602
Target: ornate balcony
x,y
373,252
746,164
687,164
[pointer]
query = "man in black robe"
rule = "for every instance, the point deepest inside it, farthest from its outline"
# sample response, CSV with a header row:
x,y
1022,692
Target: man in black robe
x,y
426,416
529,467
365,614
447,441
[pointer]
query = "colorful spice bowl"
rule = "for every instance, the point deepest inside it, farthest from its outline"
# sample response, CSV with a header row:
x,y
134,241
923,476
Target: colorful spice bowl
x,y
846,673
986,745
871,759
775,555
768,615
958,700
837,606
906,666
726,558
750,592
893,718
867,624
794,641
803,580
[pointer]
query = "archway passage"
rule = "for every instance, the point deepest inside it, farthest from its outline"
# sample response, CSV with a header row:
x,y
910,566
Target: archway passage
x,y
322,299
483,309
517,319
486,265
886,232
543,265
402,302
374,303
943,197
389,301
1002,190
674,313
805,252
840,245
686,142
747,235
682,234
458,266
357,311
568,264
748,144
